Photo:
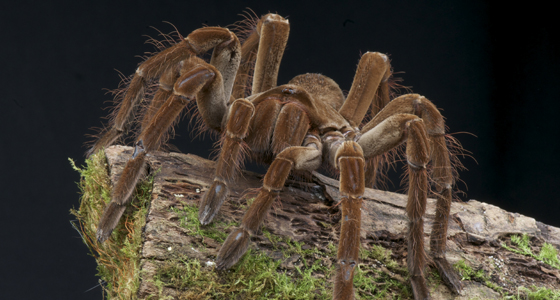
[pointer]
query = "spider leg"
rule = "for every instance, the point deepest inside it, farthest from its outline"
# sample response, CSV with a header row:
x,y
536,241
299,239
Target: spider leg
x,y
198,79
165,90
443,177
307,157
239,117
418,156
373,71
370,89
349,159
273,31
262,50
384,132
226,58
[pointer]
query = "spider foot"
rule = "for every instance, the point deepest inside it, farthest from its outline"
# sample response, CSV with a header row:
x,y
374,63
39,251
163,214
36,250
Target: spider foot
x,y
234,247
419,288
211,202
109,221
448,275
344,281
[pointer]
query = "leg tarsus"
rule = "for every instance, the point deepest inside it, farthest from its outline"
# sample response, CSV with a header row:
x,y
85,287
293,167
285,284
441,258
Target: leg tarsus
x,y
448,275
344,283
212,202
122,194
233,249
419,288
109,220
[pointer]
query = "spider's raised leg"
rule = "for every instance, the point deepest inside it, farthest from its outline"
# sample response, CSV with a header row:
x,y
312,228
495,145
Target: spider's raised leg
x,y
370,88
273,31
373,71
265,45
306,157
387,130
226,58
197,79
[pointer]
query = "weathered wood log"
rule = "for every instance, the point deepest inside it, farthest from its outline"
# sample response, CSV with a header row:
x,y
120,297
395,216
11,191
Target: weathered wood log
x,y
306,213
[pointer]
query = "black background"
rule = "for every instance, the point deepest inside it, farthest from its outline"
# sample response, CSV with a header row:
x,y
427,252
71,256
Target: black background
x,y
492,69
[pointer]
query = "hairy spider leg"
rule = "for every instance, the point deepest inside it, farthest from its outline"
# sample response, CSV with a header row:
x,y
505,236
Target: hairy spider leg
x,y
373,71
349,159
262,52
198,79
369,91
273,32
307,157
198,42
240,114
164,91
387,130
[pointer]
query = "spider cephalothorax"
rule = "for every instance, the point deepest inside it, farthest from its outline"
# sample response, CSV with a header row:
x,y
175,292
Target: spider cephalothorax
x,y
297,126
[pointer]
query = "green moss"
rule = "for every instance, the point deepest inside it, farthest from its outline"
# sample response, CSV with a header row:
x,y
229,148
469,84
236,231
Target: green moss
x,y
464,270
118,258
468,273
188,219
537,293
521,245
256,276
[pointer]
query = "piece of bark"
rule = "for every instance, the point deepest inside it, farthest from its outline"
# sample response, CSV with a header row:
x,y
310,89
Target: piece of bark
x,y
305,213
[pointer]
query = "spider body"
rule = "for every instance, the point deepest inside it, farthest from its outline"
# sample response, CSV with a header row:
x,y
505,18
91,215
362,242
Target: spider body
x,y
297,126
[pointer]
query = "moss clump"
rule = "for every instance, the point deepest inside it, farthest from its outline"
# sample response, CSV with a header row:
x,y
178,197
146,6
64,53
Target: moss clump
x,y
467,273
118,257
536,293
521,245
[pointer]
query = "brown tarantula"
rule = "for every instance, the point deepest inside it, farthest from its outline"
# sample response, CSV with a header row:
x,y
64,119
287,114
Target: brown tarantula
x,y
296,126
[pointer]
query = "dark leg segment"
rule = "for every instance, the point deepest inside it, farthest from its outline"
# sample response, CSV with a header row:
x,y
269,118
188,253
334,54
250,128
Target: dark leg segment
x,y
442,175
373,70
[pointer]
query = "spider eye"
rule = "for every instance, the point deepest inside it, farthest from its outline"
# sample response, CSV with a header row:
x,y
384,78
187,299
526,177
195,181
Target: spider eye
x,y
288,91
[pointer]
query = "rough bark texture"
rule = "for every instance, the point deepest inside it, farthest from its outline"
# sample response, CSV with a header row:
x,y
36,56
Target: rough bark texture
x,y
306,213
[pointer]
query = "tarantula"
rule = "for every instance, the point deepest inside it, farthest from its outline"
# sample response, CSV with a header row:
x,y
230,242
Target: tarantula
x,y
296,126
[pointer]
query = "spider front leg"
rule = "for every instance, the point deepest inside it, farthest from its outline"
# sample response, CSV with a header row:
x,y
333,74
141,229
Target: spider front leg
x,y
226,58
197,79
